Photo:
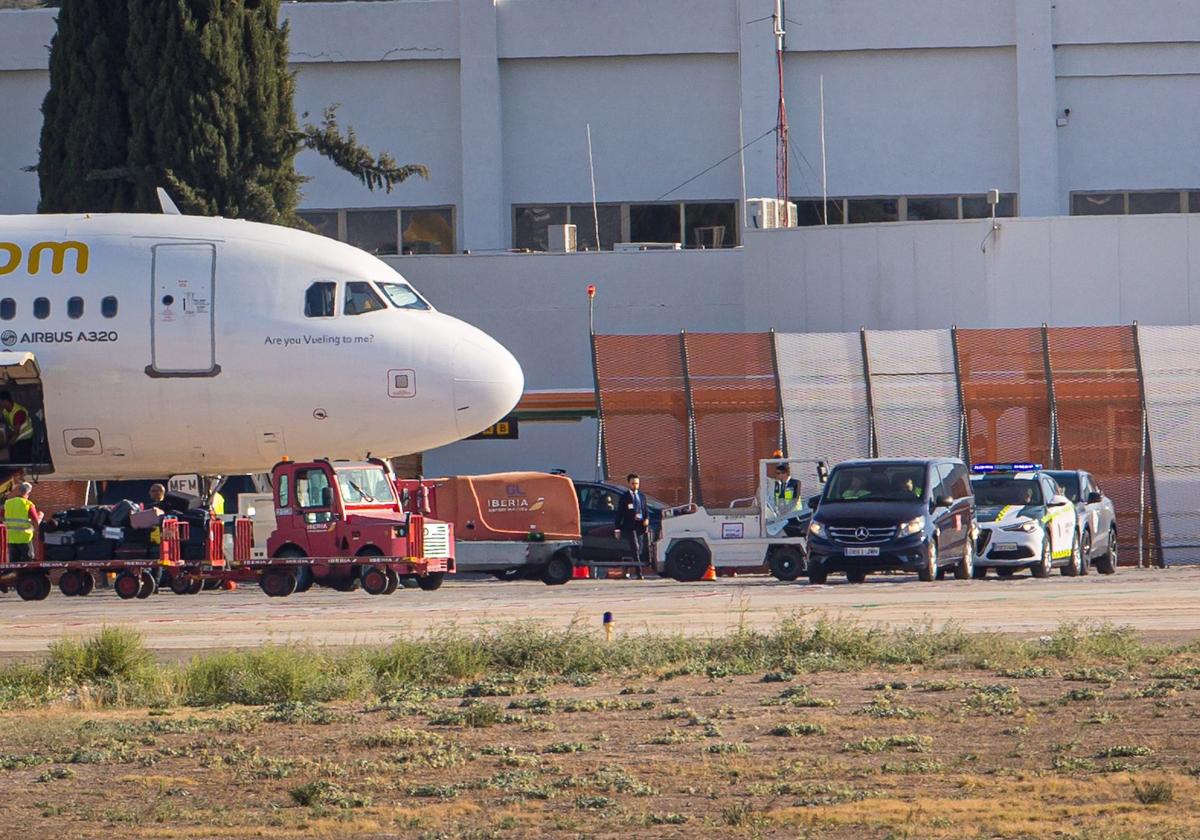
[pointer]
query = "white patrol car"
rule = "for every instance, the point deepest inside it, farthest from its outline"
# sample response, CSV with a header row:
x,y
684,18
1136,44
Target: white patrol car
x,y
1024,521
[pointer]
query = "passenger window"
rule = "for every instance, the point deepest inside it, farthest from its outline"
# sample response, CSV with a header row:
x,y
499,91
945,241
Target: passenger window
x,y
108,307
283,492
320,301
41,308
75,307
8,309
361,299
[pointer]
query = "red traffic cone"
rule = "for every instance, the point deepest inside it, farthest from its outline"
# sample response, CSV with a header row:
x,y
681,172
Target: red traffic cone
x,y
581,573
710,573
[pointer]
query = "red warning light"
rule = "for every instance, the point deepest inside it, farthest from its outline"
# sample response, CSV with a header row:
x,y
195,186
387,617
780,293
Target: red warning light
x,y
591,291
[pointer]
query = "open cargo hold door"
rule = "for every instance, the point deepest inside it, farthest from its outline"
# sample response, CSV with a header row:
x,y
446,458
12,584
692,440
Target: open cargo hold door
x,y
22,378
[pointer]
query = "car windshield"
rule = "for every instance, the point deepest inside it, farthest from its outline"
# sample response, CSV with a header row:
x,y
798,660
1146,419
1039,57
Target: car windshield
x,y
365,486
998,490
1069,482
876,483
402,296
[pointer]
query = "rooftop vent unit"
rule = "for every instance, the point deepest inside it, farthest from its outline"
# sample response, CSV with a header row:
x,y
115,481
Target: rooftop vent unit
x,y
769,213
562,238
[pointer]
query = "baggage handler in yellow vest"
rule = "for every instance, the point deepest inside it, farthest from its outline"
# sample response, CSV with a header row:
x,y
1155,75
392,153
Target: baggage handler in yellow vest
x,y
21,518
18,424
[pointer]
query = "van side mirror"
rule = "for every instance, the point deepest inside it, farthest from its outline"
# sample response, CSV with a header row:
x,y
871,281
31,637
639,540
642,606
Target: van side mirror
x,y
1094,498
1059,501
813,501
943,501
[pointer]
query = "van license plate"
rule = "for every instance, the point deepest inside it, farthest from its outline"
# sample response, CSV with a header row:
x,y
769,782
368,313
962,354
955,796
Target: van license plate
x,y
862,551
1005,547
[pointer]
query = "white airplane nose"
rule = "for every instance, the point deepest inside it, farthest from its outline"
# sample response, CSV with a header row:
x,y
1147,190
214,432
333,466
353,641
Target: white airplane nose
x,y
488,382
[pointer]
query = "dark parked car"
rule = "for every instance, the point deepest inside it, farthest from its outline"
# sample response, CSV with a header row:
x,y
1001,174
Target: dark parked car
x,y
597,516
893,514
1096,519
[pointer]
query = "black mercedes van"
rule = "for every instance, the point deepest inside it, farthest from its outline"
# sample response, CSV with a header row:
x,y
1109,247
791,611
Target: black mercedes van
x,y
904,514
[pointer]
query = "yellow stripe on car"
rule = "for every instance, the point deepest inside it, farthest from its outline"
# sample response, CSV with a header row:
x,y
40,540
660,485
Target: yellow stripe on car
x,y
1004,511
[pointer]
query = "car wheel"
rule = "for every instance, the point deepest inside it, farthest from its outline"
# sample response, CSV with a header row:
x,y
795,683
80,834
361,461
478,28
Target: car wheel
x,y
817,574
1005,571
856,576
1085,553
965,568
1043,568
688,560
1072,569
928,572
1107,564
979,572
786,563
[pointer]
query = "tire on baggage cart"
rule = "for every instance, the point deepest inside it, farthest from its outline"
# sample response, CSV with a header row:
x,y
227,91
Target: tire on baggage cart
x,y
33,586
277,581
127,585
688,560
147,586
72,583
374,580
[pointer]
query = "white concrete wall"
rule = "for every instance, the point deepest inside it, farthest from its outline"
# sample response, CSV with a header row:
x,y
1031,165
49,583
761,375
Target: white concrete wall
x,y
904,122
21,95
409,109
679,112
1066,271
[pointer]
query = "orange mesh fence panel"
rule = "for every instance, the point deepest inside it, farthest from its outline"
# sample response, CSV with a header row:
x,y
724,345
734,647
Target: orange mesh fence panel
x,y
1005,394
1099,405
1171,374
735,406
643,409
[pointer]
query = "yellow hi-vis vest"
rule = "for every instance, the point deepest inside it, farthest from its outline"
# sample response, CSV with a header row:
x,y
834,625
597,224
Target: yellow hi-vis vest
x,y
18,521
26,432
218,504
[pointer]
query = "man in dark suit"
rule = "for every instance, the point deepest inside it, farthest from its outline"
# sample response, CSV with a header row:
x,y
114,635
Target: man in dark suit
x,y
633,519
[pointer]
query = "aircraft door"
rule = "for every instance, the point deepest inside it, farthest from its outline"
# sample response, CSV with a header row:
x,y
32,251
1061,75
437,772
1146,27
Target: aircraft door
x,y
182,331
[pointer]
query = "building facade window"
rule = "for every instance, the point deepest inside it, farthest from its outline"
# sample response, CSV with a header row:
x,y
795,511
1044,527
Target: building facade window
x,y
691,224
901,208
1134,202
388,231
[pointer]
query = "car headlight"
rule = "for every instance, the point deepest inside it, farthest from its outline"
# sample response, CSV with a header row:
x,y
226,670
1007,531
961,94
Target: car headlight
x,y
912,526
1028,526
817,529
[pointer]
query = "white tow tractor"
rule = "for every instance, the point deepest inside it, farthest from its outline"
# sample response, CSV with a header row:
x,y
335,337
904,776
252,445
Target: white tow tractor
x,y
765,530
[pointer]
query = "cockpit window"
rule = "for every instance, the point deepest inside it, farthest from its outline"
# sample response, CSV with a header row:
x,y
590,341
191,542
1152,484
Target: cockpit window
x,y
320,300
402,296
360,299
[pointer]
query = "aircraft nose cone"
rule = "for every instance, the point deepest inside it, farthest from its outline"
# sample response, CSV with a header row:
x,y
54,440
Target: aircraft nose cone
x,y
487,383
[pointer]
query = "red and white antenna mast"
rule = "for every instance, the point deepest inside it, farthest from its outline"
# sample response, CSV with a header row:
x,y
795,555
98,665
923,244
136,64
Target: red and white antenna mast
x,y
781,126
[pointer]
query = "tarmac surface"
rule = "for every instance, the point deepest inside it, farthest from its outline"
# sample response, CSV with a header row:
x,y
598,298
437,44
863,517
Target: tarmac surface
x,y
1163,603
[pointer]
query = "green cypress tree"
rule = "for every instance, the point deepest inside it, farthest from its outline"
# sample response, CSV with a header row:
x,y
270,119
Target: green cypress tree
x,y
206,103
85,123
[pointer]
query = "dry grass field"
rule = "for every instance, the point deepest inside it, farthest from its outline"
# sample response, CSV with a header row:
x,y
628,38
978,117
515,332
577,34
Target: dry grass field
x,y
815,729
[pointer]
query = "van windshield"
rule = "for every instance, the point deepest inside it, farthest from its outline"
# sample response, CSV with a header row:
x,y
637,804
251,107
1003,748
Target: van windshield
x,y
1006,491
365,486
876,483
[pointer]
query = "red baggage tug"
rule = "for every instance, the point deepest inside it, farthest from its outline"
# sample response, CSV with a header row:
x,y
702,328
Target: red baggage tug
x,y
338,524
